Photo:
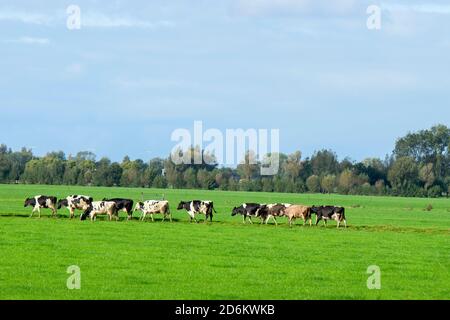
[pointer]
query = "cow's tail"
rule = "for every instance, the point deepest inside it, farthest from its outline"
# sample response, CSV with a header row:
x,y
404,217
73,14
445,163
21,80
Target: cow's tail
x,y
309,213
130,209
168,208
212,207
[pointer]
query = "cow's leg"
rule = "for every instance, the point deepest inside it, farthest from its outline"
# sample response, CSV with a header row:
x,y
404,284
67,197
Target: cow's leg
x,y
39,211
32,212
72,212
345,223
243,219
151,216
250,219
275,220
53,211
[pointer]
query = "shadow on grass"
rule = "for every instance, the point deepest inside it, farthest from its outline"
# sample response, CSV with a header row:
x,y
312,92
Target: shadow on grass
x,y
371,228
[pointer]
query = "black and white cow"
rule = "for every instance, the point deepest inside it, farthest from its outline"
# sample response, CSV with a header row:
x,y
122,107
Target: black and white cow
x,y
326,213
74,202
198,207
247,210
100,208
123,204
154,206
39,202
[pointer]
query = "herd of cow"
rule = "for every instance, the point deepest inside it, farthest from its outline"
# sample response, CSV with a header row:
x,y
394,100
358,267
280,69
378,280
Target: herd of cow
x,y
111,207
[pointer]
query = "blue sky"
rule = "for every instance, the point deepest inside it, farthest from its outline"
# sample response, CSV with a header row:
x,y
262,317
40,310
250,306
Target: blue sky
x,y
138,70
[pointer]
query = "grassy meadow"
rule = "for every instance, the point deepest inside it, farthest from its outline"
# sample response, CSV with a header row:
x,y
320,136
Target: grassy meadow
x,y
224,259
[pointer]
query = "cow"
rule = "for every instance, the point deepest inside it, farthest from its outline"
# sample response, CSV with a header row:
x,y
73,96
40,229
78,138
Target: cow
x,y
74,202
99,208
273,211
326,213
247,210
123,204
298,211
154,206
194,207
38,202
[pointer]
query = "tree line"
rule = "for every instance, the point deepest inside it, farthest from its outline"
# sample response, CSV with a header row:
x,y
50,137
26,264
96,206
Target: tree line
x,y
419,166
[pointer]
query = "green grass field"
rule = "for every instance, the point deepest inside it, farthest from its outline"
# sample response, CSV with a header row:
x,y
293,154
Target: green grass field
x,y
224,259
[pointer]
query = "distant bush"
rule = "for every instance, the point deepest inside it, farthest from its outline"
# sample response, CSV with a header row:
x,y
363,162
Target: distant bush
x,y
434,192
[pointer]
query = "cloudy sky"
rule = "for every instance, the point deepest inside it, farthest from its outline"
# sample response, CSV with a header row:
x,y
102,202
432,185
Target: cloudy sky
x,y
137,70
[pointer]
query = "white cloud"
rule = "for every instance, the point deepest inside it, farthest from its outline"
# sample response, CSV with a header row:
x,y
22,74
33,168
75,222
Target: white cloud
x,y
146,83
413,19
30,40
100,20
429,8
90,19
24,17
74,68
267,7
370,80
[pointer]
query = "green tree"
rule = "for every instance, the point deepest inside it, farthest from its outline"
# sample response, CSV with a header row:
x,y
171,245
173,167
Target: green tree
x,y
403,176
190,178
426,175
347,180
249,168
324,162
313,184
328,183
292,166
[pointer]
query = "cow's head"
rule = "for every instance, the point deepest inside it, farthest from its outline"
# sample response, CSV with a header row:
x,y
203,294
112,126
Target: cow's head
x,y
235,211
139,206
86,213
315,209
28,202
62,202
262,210
181,205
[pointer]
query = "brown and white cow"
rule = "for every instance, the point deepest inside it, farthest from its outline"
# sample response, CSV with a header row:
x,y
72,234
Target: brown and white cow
x,y
274,210
152,207
298,211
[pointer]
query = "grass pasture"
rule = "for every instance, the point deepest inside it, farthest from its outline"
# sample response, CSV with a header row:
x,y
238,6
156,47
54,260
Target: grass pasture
x,y
224,259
